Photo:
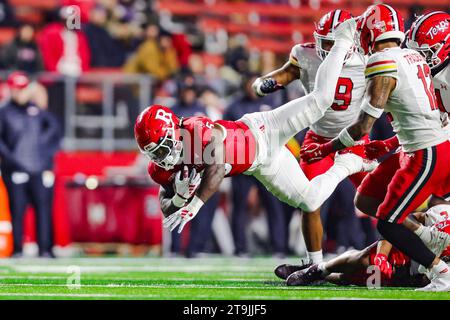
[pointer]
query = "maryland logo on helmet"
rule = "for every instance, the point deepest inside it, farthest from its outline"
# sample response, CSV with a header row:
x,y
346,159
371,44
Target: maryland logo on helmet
x,y
430,35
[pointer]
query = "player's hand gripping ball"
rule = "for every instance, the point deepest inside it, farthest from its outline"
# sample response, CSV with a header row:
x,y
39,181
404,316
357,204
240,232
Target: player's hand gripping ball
x,y
186,184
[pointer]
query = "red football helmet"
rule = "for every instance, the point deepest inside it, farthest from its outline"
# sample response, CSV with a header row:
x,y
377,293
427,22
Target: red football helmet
x,y
325,28
155,131
430,35
379,22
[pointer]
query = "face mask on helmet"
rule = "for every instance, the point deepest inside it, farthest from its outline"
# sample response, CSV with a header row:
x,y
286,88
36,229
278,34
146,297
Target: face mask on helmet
x,y
430,53
167,153
324,45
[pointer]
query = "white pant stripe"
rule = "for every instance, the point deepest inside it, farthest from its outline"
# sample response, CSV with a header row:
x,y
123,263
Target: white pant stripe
x,y
414,189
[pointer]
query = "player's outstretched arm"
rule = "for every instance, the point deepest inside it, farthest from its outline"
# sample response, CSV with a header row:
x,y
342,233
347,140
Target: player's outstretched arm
x,y
165,200
276,79
214,172
213,175
378,92
330,69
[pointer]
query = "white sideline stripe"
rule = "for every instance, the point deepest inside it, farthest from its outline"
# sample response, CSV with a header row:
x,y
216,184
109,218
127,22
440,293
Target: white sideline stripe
x,y
178,286
190,268
19,277
405,201
87,295
244,297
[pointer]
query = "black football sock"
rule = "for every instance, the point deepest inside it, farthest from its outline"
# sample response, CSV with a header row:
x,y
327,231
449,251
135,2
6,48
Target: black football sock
x,y
406,241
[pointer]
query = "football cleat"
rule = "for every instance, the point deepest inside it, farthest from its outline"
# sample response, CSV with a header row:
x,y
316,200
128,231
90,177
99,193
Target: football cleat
x,y
305,277
439,283
355,163
283,271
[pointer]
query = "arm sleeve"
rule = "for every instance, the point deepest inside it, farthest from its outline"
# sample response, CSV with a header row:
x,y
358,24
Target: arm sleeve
x,y
381,65
293,56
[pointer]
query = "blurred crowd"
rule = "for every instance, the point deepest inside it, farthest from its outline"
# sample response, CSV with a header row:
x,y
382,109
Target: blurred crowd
x,y
128,36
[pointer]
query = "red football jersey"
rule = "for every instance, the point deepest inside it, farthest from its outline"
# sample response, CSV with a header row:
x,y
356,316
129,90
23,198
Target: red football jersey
x,y
239,147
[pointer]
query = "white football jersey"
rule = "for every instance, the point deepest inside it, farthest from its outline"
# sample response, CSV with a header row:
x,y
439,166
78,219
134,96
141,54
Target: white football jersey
x,y
441,82
349,91
412,104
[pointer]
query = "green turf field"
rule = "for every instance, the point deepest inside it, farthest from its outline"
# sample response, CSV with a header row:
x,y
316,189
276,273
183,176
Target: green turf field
x,y
169,278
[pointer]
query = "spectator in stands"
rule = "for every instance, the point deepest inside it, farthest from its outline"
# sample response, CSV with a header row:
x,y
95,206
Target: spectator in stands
x,y
236,62
23,53
125,20
155,56
212,102
187,104
106,51
248,102
29,139
7,17
64,50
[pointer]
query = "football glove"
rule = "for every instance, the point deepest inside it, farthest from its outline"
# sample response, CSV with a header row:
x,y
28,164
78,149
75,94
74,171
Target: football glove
x,y
315,152
378,148
381,261
184,215
185,186
266,86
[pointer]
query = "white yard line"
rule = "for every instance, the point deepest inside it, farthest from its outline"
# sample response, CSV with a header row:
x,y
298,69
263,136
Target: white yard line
x,y
168,268
81,295
178,286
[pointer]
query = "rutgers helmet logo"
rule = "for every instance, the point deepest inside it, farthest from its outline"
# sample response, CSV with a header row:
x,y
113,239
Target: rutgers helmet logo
x,y
164,116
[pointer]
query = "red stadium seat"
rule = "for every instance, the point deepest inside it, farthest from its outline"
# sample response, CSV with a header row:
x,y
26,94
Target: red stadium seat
x,y
41,4
6,35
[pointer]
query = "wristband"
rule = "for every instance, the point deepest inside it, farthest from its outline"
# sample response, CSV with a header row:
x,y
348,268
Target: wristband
x,y
346,139
195,205
178,201
371,110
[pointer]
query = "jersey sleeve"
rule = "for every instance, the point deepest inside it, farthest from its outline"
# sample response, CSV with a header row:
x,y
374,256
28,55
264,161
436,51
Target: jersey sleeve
x,y
293,56
381,64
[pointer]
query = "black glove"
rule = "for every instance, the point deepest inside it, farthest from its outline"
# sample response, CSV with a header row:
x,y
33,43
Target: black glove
x,y
270,85
266,86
